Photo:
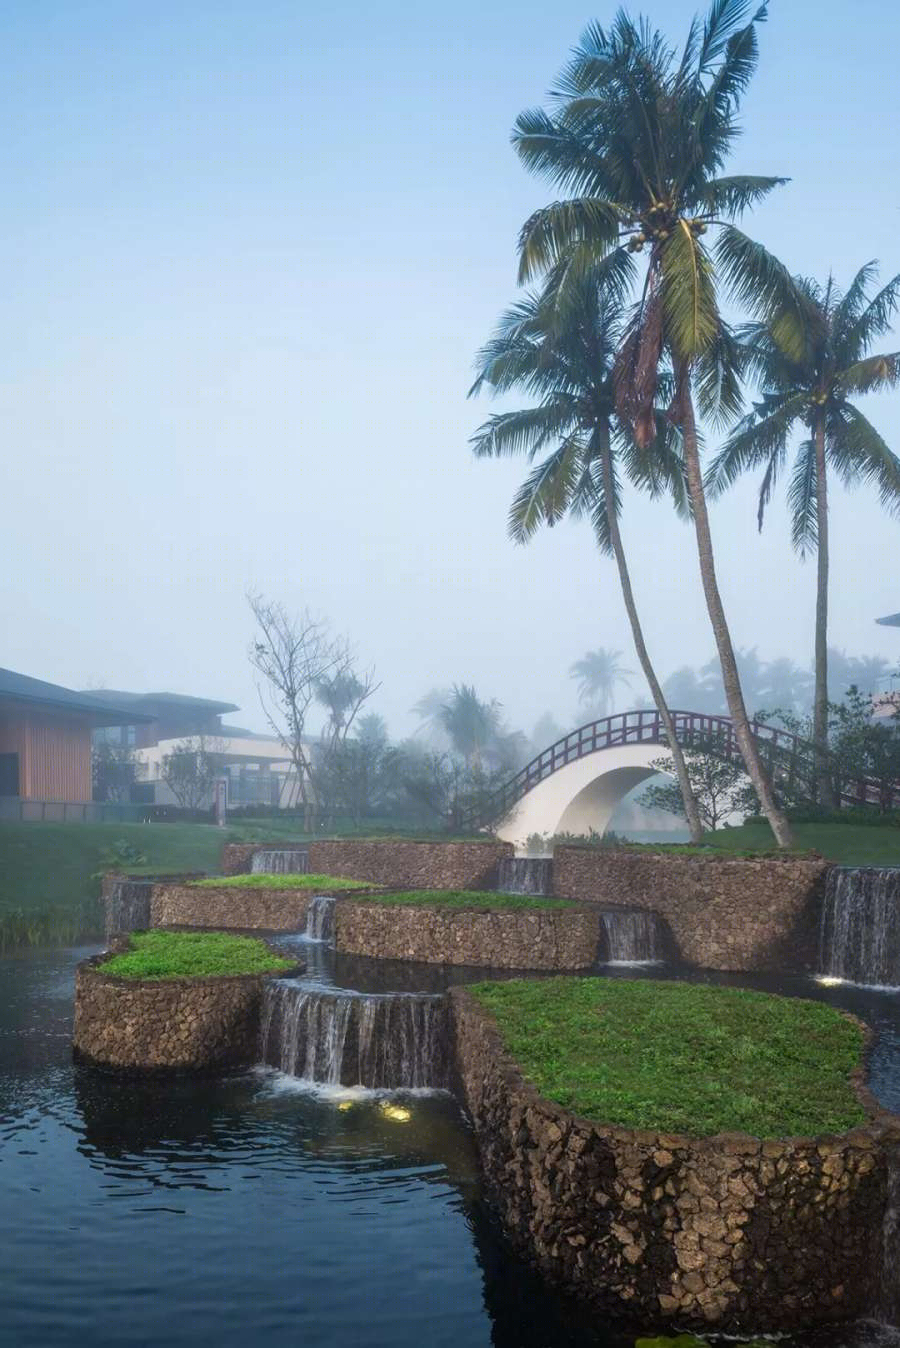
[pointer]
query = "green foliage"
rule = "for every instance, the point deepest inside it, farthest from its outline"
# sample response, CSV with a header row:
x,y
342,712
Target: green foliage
x,y
320,883
719,784
680,1057
121,855
471,900
193,954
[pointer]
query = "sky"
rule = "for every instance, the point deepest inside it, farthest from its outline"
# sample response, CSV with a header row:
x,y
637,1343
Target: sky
x,y
251,250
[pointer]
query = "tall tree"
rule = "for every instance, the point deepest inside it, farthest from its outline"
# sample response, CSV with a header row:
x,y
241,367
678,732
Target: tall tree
x,y
598,672
640,136
563,355
812,360
471,724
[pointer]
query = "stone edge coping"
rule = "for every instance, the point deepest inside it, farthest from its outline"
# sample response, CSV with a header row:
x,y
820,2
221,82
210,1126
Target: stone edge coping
x,y
93,968
556,903
713,855
868,1135
303,891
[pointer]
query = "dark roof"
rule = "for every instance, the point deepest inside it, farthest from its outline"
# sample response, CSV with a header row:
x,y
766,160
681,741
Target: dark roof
x,y
152,700
22,688
892,620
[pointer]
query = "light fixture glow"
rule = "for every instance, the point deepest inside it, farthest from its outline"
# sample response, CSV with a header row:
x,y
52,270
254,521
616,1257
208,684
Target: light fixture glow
x,y
396,1113
829,980
345,1105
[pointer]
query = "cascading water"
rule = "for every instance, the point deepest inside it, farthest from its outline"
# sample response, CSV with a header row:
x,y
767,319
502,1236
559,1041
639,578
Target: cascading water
x,y
525,875
280,861
387,1041
632,936
128,907
859,935
320,918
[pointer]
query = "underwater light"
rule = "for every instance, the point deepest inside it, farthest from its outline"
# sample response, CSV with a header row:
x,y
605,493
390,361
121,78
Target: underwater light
x,y
345,1105
397,1113
828,980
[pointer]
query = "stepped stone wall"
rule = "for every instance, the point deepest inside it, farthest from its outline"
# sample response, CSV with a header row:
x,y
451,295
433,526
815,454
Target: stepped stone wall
x,y
401,863
536,938
177,1024
724,913
727,1231
228,908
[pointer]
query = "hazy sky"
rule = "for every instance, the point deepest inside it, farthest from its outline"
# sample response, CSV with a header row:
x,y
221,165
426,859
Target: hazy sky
x,y
250,251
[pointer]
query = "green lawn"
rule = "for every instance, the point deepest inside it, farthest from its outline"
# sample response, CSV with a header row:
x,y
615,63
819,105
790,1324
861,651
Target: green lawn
x,y
193,954
849,844
289,881
49,873
679,1057
472,899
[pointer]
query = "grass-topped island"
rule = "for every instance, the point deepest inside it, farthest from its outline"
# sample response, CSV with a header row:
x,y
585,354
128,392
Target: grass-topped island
x,y
316,884
482,928
173,1001
246,902
703,1154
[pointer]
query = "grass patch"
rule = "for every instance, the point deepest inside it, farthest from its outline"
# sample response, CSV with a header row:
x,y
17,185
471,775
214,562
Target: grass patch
x,y
473,900
193,954
680,1057
290,881
849,844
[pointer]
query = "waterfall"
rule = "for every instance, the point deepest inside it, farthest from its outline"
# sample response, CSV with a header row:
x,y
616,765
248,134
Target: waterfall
x,y
525,875
632,936
320,918
859,935
353,1039
128,907
280,861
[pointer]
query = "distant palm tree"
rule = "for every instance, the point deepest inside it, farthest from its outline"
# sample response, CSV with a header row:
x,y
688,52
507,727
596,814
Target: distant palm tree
x,y
597,673
640,137
811,357
472,725
564,356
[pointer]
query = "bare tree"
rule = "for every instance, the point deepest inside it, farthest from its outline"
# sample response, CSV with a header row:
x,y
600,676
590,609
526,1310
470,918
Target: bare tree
x,y
300,661
191,768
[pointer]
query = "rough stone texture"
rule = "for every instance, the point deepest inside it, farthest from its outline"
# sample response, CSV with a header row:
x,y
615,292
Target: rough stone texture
x,y
525,939
131,911
726,1231
177,1024
740,913
229,909
407,865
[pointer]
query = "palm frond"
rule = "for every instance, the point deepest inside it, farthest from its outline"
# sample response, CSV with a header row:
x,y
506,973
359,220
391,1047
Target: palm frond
x,y
874,462
854,340
527,431
553,231
732,196
870,375
762,284
802,500
759,436
688,294
545,495
719,370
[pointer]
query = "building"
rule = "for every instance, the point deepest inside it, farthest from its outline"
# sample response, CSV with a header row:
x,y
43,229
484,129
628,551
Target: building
x,y
257,767
45,738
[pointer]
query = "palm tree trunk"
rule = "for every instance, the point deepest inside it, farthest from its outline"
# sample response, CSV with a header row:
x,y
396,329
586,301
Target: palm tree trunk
x,y
821,775
691,811
730,677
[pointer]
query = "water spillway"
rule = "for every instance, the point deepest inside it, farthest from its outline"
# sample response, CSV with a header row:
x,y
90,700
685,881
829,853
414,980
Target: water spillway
x,y
388,1041
525,875
280,861
859,934
320,918
632,936
128,907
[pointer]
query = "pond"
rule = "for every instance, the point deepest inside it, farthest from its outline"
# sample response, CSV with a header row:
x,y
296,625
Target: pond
x,y
250,1210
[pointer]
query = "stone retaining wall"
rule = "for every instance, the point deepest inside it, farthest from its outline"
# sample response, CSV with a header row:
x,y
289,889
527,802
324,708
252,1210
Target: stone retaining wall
x,y
400,863
177,1024
726,1231
533,938
228,908
724,913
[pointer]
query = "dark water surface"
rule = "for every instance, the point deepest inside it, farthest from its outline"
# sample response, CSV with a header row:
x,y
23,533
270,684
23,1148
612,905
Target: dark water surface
x,y
248,1211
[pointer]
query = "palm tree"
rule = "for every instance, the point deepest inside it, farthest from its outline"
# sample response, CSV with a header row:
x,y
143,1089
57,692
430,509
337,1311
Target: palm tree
x,y
640,137
565,359
471,724
812,359
597,673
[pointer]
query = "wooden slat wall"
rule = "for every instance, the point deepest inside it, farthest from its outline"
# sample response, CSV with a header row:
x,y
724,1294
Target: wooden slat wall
x,y
54,755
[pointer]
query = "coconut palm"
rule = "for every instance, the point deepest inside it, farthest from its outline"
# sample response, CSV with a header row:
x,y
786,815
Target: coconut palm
x,y
564,358
639,136
812,360
471,724
597,673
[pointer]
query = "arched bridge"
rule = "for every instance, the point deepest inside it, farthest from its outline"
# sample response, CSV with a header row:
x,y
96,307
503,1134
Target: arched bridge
x,y
576,784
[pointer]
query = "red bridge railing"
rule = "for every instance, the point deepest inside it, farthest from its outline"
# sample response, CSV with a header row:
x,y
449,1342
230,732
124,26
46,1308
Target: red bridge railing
x,y
786,757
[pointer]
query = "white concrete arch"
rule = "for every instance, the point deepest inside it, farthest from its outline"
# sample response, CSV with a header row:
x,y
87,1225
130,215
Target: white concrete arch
x,y
583,795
